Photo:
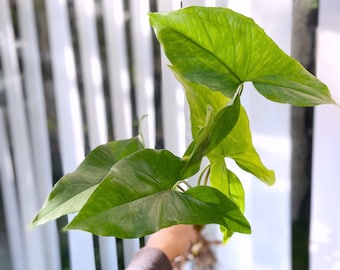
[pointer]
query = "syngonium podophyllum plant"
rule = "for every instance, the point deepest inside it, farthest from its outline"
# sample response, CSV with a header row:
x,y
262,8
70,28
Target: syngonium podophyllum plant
x,y
125,190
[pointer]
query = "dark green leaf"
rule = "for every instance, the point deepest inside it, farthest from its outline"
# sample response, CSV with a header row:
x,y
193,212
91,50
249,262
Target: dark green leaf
x,y
221,49
138,197
72,190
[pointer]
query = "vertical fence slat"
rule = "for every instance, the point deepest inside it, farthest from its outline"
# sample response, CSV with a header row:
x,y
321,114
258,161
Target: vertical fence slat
x,y
173,101
69,117
325,220
269,207
34,246
108,251
10,200
94,100
38,122
118,71
143,68
116,48
91,71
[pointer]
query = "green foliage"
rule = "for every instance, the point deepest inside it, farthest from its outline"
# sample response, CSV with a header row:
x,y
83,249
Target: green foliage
x,y
124,190
204,105
221,49
73,190
147,200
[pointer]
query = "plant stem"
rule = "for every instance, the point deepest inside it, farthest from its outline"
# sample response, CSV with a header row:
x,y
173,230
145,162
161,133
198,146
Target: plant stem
x,y
207,167
207,176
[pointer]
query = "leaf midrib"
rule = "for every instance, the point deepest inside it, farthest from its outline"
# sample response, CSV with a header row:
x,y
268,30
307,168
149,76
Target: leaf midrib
x,y
210,53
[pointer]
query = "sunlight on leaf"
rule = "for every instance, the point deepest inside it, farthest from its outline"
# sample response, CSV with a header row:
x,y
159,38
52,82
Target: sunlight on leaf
x,y
227,182
137,198
238,142
221,49
217,125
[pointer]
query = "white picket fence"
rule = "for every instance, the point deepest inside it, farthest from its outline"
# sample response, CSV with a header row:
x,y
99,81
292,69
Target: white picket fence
x,y
25,150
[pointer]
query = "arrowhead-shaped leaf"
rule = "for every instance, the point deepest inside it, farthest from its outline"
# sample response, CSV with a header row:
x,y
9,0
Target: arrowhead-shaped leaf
x,y
138,197
237,143
218,126
221,49
227,182
72,190
218,123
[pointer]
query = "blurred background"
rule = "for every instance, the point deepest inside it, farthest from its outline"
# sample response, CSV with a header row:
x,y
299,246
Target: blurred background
x,y
75,74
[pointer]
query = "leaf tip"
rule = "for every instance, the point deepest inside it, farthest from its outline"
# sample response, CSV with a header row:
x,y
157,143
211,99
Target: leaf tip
x,y
36,221
272,178
71,226
66,228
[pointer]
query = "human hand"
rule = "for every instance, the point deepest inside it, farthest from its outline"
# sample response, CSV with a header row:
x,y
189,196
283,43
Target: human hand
x,y
173,241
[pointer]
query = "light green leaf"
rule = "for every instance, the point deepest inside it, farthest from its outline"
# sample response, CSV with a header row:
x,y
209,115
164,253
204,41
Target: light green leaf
x,y
238,143
218,124
238,146
221,49
72,190
227,182
138,197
